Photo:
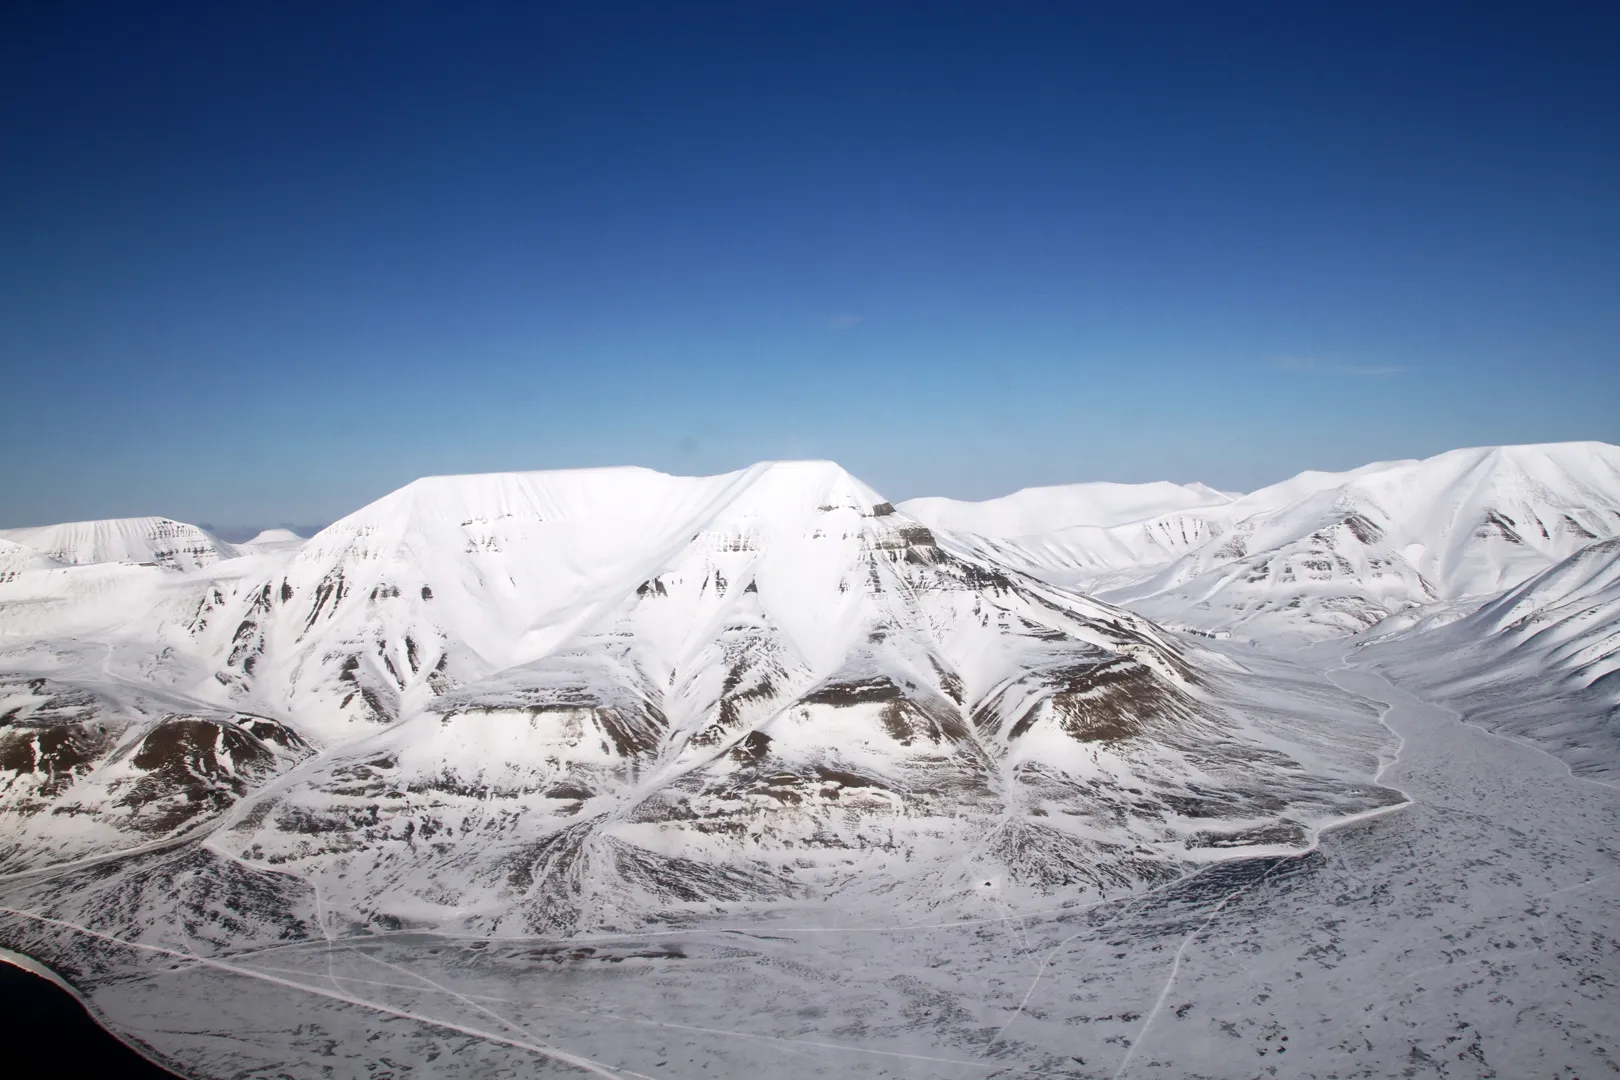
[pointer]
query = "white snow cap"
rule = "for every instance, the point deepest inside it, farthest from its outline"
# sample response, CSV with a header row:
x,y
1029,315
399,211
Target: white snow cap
x,y
273,536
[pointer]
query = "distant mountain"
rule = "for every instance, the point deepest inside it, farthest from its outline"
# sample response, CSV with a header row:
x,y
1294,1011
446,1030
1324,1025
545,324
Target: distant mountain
x,y
160,541
1035,511
268,540
1320,554
249,534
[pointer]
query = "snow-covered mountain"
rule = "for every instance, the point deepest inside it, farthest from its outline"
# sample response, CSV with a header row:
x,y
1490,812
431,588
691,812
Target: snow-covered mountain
x,y
1036,511
544,701
171,544
929,779
1318,555
270,540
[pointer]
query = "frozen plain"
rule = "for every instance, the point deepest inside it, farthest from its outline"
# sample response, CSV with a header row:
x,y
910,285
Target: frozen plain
x,y
1470,931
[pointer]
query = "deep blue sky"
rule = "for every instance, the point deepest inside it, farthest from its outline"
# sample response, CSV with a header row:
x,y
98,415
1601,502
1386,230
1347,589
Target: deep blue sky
x,y
263,264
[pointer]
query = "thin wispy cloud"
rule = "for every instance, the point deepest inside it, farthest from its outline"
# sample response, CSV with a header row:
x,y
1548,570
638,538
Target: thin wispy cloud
x,y
1327,367
845,322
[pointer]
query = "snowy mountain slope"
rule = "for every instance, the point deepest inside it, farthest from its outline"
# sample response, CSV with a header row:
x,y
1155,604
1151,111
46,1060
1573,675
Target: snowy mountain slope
x,y
95,755
171,544
555,700
16,558
1324,553
1542,660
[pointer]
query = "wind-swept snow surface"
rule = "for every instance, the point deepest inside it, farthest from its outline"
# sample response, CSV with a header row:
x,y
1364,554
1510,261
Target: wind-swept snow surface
x,y
615,773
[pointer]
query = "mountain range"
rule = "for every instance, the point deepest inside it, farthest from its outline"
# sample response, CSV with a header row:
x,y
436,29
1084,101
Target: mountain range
x,y
562,704
1319,555
569,699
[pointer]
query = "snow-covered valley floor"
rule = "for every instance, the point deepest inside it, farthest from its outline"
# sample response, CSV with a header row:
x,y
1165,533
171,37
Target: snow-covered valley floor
x,y
1472,932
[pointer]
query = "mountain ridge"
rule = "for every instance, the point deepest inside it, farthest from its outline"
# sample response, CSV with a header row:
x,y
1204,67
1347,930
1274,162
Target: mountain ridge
x,y
1332,553
677,746
158,540
689,691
